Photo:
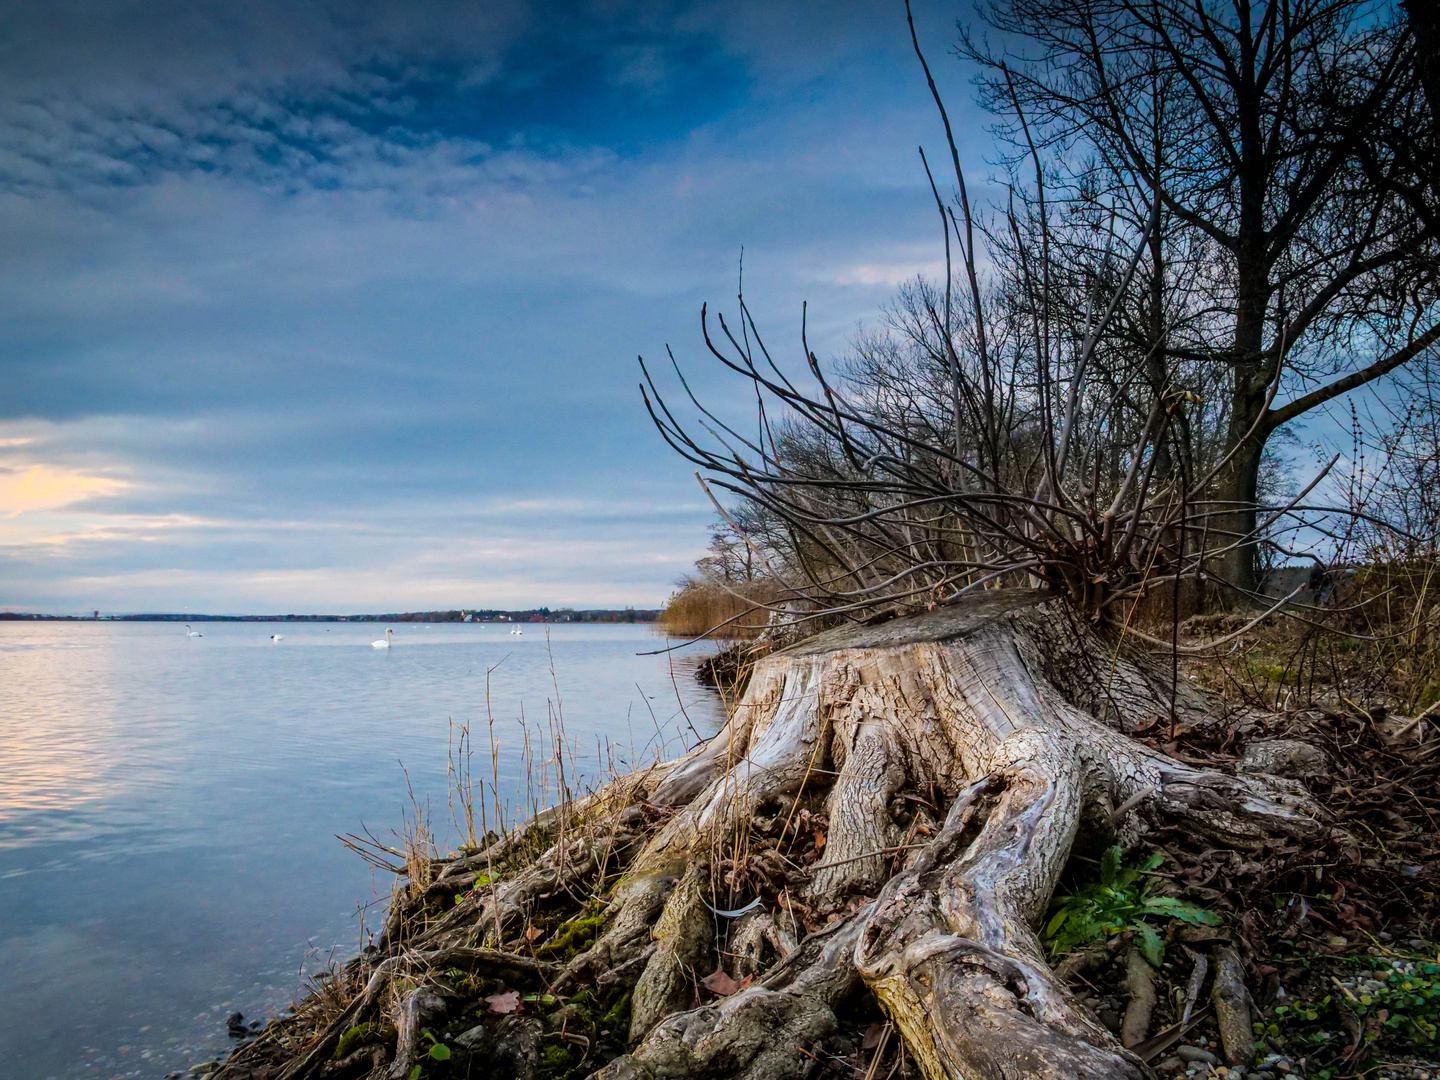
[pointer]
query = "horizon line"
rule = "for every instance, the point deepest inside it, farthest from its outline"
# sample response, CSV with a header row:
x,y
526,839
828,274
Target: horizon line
x,y
543,613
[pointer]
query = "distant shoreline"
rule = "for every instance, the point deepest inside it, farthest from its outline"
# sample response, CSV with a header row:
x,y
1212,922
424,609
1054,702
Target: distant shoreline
x,y
463,615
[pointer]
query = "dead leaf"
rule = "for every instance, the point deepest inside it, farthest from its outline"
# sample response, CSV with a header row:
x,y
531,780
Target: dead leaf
x,y
534,933
819,841
720,983
505,1003
872,1036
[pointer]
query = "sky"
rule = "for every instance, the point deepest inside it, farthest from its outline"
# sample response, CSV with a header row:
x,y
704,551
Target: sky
x,y
335,307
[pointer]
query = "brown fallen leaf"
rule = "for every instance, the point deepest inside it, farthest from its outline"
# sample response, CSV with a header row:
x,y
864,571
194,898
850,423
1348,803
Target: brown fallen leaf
x,y
534,933
505,1003
720,983
872,1036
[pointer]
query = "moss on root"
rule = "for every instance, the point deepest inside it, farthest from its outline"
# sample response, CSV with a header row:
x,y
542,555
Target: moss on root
x,y
557,1061
363,1035
618,1017
573,937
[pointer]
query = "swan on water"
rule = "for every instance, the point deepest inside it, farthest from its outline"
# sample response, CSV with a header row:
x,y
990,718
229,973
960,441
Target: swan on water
x,y
277,637
192,633
385,643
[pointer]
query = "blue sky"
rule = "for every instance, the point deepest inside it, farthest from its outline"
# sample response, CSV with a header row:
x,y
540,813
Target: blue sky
x,y
336,306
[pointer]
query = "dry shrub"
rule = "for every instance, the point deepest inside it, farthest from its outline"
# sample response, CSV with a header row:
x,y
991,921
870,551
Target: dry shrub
x,y
1395,604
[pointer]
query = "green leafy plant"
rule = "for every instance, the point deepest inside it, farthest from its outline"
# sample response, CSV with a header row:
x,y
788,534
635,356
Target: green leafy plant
x,y
438,1051
1396,1007
1120,901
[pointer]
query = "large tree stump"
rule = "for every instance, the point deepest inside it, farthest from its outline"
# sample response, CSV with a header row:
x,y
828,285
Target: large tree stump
x,y
984,706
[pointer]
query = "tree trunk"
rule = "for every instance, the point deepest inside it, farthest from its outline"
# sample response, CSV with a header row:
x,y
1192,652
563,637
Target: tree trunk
x,y
1232,529
1007,715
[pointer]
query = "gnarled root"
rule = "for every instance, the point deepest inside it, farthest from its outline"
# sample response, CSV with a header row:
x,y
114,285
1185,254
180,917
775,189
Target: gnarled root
x,y
765,1032
684,937
752,933
563,866
624,947
950,950
872,772
417,1008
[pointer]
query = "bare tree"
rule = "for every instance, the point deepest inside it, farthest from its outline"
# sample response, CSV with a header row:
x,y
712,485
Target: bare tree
x,y
1425,26
1264,131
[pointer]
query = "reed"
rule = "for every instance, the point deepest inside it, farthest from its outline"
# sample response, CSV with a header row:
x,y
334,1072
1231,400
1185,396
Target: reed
x,y
701,608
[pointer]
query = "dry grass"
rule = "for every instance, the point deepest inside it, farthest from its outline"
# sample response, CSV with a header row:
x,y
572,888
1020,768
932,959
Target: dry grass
x,y
1373,645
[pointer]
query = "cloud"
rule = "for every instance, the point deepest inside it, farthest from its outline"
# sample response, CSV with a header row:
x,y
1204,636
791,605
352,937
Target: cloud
x,y
42,487
300,293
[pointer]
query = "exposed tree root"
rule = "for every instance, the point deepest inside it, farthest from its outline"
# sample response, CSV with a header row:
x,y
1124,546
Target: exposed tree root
x,y
884,819
684,937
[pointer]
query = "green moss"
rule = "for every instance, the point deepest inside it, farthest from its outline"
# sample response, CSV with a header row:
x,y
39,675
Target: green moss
x,y
618,1018
573,936
556,1061
473,986
1427,698
363,1035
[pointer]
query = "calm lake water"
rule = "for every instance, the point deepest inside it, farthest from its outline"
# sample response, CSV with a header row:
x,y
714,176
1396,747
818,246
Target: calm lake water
x,y
169,805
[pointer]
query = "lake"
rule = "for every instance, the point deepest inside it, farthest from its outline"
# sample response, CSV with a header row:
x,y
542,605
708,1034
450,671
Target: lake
x,y
169,805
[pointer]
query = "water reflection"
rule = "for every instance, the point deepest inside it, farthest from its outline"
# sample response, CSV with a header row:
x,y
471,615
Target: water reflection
x,y
168,804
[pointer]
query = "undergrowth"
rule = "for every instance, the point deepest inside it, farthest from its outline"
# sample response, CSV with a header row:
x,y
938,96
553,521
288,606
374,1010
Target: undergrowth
x,y
1120,899
1378,1008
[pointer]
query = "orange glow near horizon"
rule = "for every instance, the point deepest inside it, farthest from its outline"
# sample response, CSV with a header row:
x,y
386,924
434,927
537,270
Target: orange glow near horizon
x,y
43,487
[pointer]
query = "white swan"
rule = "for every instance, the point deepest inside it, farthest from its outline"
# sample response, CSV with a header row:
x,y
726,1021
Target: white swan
x,y
277,637
192,633
383,644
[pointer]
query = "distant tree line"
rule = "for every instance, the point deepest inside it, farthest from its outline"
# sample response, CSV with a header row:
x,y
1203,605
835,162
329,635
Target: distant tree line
x,y
529,615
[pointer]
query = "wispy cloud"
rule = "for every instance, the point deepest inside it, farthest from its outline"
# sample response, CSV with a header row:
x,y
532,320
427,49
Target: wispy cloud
x,y
43,487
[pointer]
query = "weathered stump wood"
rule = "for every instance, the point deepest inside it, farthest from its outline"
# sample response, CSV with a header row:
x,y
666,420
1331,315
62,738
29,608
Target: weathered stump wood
x,y
1011,710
